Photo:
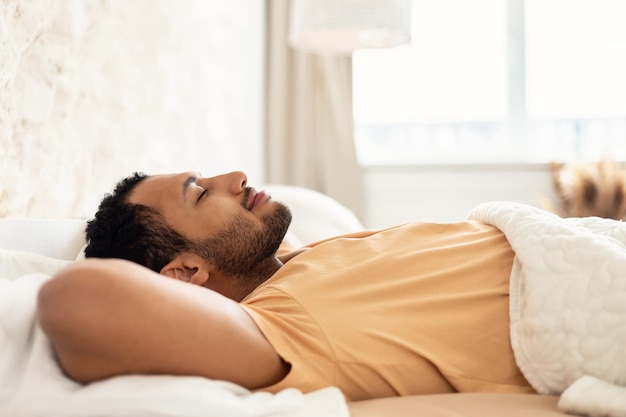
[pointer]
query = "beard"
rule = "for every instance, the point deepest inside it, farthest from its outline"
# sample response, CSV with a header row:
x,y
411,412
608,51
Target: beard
x,y
242,250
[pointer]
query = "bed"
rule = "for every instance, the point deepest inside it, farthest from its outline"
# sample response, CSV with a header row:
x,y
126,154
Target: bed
x,y
32,385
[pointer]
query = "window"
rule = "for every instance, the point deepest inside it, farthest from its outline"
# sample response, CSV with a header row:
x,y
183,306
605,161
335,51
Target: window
x,y
496,81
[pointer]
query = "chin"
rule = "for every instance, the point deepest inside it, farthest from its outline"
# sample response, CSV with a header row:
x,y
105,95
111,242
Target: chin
x,y
279,220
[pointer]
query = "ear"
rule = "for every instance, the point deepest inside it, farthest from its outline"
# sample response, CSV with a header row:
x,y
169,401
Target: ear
x,y
187,267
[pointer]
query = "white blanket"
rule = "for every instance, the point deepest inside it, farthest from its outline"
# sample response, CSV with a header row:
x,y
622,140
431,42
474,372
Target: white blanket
x,y
568,305
32,385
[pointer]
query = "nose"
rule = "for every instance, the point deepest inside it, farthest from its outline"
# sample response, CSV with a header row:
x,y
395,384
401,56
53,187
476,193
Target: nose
x,y
237,181
234,182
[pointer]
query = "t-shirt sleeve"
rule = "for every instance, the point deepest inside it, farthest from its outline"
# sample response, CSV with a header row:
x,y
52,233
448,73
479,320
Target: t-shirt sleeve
x,y
297,338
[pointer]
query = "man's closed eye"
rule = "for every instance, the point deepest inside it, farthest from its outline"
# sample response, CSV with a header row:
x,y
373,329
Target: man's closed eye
x,y
202,194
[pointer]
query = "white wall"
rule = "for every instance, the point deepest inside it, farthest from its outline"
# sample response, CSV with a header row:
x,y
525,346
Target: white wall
x,y
446,193
93,90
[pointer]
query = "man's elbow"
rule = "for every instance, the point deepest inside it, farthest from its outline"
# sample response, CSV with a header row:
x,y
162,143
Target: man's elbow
x,y
66,307
59,301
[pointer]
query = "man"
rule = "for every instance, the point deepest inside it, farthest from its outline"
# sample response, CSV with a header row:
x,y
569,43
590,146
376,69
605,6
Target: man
x,y
219,219
419,308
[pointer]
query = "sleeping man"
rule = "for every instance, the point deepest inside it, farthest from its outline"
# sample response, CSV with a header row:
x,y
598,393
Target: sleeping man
x,y
414,309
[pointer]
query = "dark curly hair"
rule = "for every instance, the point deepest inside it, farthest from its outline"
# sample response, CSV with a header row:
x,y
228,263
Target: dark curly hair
x,y
134,232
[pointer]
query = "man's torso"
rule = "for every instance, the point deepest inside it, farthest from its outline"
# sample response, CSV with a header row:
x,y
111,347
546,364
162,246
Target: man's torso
x,y
415,309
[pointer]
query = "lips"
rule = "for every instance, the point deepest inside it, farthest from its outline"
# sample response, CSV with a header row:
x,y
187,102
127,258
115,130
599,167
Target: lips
x,y
256,197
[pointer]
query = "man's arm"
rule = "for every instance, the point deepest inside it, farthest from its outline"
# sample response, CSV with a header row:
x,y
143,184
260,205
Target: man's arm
x,y
113,317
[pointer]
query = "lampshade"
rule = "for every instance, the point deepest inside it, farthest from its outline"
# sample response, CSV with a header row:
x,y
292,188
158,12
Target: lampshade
x,y
342,26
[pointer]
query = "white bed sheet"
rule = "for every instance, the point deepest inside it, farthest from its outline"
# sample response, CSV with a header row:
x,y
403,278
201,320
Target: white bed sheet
x,y
33,385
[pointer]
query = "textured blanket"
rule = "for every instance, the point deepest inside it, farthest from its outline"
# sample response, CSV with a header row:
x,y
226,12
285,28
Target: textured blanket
x,y
568,304
32,384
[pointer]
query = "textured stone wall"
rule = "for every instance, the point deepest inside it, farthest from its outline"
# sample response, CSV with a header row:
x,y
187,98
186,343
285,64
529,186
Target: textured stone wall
x,y
93,90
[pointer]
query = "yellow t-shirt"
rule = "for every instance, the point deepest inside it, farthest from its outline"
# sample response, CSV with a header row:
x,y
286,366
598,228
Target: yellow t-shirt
x,y
416,309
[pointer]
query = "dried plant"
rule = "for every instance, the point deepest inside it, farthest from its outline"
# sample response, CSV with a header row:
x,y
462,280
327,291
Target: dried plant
x,y
590,189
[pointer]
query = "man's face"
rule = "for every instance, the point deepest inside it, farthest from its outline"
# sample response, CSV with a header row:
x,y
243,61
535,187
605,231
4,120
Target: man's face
x,y
235,226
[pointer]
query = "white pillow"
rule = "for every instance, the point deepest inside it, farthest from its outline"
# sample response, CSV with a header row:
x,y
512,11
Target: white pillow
x,y
316,216
14,264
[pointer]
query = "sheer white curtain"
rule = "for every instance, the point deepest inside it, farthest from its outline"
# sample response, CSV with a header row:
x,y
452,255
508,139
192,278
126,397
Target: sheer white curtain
x,y
310,139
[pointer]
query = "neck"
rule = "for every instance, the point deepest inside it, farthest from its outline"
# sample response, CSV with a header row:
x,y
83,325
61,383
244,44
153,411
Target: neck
x,y
238,287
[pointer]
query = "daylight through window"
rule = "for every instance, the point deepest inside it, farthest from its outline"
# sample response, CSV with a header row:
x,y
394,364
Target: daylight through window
x,y
496,81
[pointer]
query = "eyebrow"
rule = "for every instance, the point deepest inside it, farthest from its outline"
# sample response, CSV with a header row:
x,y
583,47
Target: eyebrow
x,y
190,180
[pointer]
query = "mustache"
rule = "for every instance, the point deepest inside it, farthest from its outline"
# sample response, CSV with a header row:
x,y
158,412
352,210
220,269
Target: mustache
x,y
246,197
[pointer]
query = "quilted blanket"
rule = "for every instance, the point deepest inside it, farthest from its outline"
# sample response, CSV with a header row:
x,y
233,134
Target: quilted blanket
x,y
33,385
567,304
